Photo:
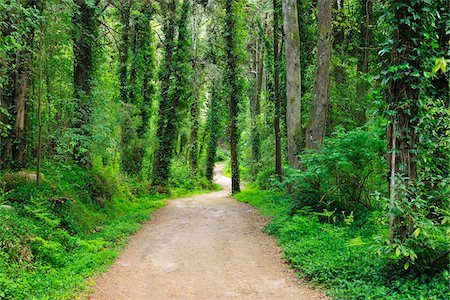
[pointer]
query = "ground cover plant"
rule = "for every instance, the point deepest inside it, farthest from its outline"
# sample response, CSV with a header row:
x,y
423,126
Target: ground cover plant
x,y
70,227
341,256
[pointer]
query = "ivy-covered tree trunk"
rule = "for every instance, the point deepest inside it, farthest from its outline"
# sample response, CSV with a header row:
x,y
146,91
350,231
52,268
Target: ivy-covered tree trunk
x,y
178,65
276,87
213,127
196,77
403,96
15,82
148,50
320,103
125,12
293,80
164,149
138,88
85,21
233,39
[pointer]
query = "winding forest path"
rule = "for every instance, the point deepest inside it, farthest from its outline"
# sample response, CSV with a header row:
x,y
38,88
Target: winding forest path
x,y
203,247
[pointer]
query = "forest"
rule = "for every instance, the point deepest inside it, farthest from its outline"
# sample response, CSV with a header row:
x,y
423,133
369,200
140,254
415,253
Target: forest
x,y
332,116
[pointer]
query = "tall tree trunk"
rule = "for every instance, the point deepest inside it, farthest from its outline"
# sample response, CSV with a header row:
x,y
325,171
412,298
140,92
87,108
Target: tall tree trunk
x,y
320,103
234,94
14,94
164,149
403,98
85,20
148,89
363,59
193,139
174,97
213,131
276,92
255,106
123,49
39,114
136,46
293,80
21,107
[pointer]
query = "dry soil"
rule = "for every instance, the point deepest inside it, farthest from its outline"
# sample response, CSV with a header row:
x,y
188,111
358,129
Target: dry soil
x,y
203,247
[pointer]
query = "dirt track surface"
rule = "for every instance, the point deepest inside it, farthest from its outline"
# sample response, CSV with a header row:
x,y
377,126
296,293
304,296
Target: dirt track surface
x,y
203,247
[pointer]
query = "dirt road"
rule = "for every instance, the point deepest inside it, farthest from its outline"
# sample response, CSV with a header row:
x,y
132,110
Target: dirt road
x,y
203,247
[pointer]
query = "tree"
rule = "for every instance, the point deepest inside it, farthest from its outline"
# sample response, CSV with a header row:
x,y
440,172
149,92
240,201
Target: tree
x,y
85,22
320,102
174,91
125,12
196,85
276,86
293,80
213,126
138,88
234,37
255,103
19,24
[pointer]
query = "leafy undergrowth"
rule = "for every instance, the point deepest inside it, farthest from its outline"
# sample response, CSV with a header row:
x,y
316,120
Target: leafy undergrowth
x,y
53,237
341,258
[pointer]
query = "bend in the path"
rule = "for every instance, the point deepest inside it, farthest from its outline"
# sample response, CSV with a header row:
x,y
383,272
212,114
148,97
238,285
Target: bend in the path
x,y
202,247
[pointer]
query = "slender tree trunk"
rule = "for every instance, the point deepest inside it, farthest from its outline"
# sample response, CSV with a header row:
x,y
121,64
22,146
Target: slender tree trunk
x,y
148,89
232,61
123,53
193,139
39,113
21,108
320,102
276,92
213,131
363,59
255,106
136,45
293,80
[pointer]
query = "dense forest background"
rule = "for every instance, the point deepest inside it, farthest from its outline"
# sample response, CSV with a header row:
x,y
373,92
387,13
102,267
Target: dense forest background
x,y
336,114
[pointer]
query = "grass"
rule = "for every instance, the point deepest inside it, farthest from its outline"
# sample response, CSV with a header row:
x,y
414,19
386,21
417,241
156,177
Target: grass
x,y
340,257
73,226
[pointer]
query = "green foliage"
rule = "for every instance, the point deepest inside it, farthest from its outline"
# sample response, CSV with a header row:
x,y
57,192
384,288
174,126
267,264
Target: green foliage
x,y
71,227
349,168
342,258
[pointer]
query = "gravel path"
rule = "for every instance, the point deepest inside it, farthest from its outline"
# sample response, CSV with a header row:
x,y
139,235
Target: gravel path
x,y
203,247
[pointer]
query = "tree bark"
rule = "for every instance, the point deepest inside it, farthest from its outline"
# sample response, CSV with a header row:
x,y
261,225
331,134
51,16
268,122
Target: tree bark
x,y
85,20
123,49
403,98
293,80
213,130
363,59
164,149
193,139
276,92
255,106
320,103
233,96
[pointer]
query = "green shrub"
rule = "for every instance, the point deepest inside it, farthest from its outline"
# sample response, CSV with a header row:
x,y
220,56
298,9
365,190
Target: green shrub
x,y
342,257
54,236
341,176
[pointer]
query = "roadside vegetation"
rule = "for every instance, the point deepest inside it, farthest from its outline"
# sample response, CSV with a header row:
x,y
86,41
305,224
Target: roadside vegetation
x,y
72,226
